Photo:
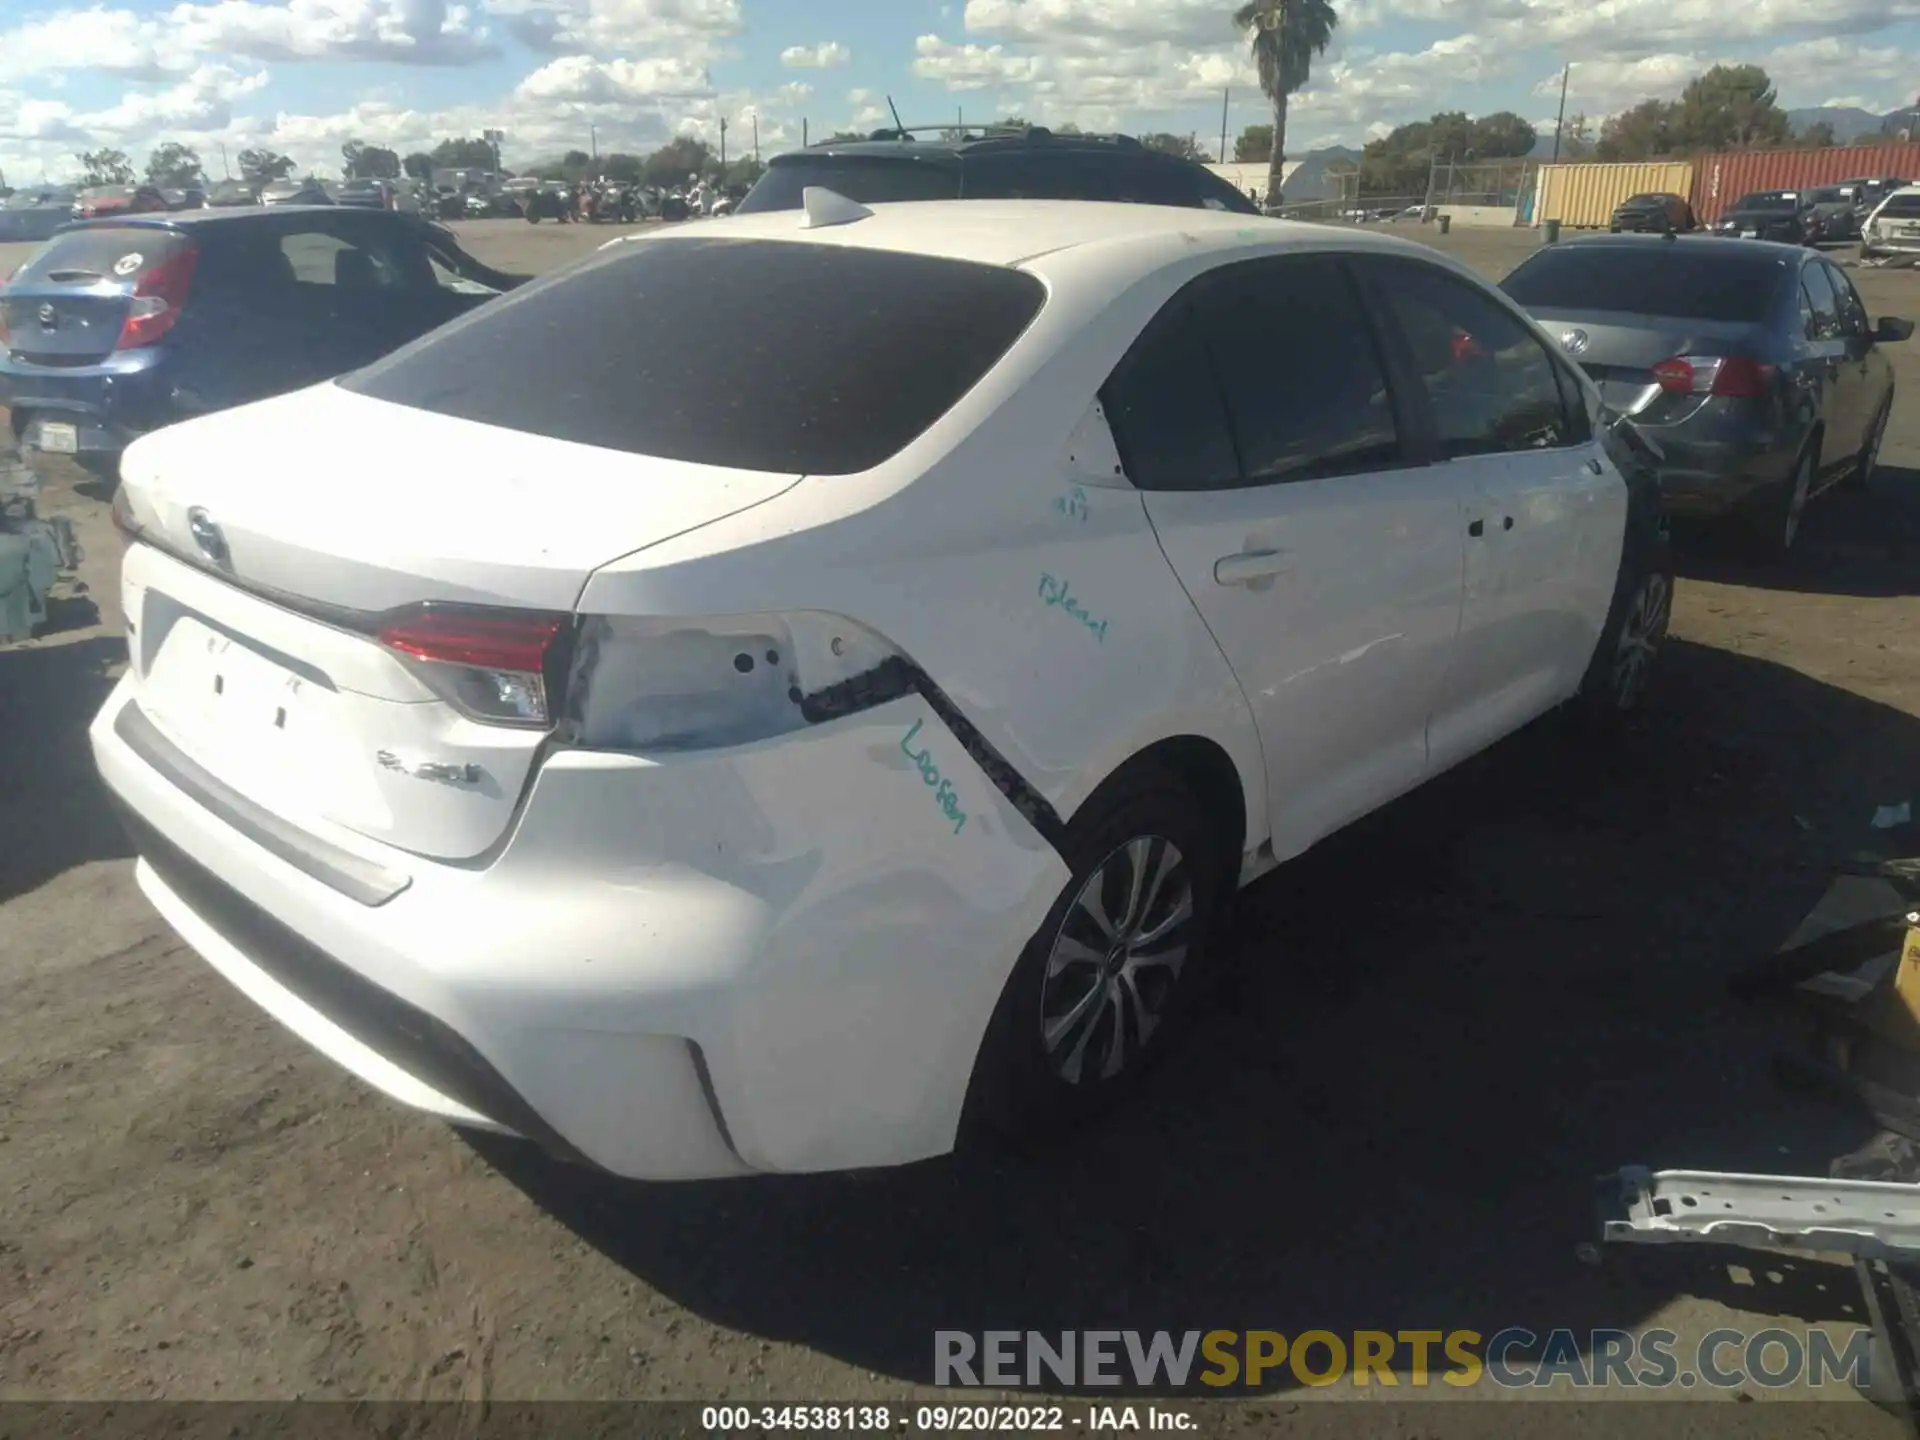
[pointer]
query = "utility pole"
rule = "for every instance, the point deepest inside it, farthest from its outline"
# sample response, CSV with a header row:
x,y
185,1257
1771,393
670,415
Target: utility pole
x,y
1561,124
593,141
804,142
225,173
1225,96
756,138
723,144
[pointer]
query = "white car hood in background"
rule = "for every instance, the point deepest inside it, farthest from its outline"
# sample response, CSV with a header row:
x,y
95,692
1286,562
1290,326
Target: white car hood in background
x,y
356,502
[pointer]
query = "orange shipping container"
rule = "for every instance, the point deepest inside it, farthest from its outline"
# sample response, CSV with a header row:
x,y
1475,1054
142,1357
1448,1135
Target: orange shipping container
x,y
1719,180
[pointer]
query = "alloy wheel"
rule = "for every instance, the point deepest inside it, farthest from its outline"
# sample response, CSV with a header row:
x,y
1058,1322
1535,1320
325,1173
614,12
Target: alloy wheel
x,y
1640,636
1116,960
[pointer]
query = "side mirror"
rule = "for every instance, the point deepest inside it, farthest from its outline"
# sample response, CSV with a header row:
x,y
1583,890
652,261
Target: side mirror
x,y
1892,329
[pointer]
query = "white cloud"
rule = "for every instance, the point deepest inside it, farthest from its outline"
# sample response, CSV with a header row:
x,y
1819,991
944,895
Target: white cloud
x,y
581,81
1804,73
972,67
150,46
604,27
827,55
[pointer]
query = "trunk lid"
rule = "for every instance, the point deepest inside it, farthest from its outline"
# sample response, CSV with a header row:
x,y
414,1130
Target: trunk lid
x,y
1619,350
261,664
67,304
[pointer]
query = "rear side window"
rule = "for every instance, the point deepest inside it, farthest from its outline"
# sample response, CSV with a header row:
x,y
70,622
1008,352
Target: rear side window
x,y
1683,281
1168,417
1818,292
1305,389
1491,384
109,253
768,355
868,180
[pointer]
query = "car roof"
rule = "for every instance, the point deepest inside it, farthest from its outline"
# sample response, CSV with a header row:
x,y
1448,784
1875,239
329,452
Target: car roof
x,y
241,214
1013,232
933,143
1718,245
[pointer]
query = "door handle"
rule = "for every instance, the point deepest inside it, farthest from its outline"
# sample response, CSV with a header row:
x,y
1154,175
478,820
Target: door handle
x,y
1249,567
1477,529
1594,467
1507,524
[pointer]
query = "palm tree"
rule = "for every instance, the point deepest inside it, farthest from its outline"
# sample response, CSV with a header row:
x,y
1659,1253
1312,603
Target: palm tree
x,y
1286,35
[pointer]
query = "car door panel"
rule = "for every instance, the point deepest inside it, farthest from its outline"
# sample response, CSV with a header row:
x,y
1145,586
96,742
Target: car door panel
x,y
1325,563
1542,508
1831,368
1868,373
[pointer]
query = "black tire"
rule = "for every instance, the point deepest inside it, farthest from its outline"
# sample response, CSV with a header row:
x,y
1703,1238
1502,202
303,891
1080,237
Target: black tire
x,y
1860,475
1621,670
1775,527
1020,1091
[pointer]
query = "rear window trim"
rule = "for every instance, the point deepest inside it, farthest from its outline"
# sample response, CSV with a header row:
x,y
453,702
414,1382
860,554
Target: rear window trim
x,y
1718,260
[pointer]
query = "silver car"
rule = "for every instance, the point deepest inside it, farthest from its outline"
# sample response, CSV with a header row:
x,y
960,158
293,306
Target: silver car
x,y
1752,366
1894,226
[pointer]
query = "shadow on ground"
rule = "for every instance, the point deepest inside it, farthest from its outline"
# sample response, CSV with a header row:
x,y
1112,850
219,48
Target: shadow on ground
x,y
1445,1023
1864,544
53,809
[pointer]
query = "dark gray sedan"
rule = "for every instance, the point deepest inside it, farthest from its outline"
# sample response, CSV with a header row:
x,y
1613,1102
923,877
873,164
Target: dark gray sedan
x,y
1754,367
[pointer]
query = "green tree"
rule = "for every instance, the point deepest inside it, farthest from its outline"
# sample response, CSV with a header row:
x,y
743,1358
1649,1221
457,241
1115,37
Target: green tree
x,y
1650,129
680,157
106,167
173,166
418,165
744,171
1254,145
1167,144
623,168
1503,135
258,167
1285,36
360,161
1731,107
463,154
1817,136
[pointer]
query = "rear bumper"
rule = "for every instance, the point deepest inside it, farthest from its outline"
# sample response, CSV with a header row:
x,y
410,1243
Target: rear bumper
x,y
1709,476
110,407
702,968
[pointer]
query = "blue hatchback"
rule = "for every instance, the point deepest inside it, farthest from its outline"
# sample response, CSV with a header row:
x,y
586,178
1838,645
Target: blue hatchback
x,y
117,327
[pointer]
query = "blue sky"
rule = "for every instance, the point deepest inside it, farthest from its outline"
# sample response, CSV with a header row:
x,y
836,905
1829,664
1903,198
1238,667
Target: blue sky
x,y
303,77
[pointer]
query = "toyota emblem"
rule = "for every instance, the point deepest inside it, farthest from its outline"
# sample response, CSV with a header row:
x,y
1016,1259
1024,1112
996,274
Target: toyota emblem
x,y
207,536
1576,341
49,318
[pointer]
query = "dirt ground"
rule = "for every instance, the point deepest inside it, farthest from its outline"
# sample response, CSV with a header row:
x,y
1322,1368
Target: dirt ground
x,y
1446,1023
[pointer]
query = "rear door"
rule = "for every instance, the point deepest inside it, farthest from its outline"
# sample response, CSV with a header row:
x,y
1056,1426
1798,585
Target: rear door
x,y
1870,373
1295,505
1834,363
1544,513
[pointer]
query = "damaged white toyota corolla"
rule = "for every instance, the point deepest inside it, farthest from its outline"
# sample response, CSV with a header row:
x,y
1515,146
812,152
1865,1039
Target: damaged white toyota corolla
x,y
778,693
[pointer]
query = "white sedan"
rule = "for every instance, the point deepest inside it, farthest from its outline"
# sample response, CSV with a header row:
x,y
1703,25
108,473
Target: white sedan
x,y
786,749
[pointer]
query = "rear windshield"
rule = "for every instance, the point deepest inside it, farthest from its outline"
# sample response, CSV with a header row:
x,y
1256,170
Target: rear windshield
x,y
1827,195
90,254
763,355
1644,200
38,200
1901,207
1681,281
1769,202
870,180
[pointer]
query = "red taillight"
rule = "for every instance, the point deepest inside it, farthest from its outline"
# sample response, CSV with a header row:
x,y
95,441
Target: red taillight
x,y
1738,377
490,664
158,297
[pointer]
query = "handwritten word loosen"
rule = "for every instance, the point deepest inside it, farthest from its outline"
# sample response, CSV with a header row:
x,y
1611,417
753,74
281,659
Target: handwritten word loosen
x,y
1058,594
942,787
1073,504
